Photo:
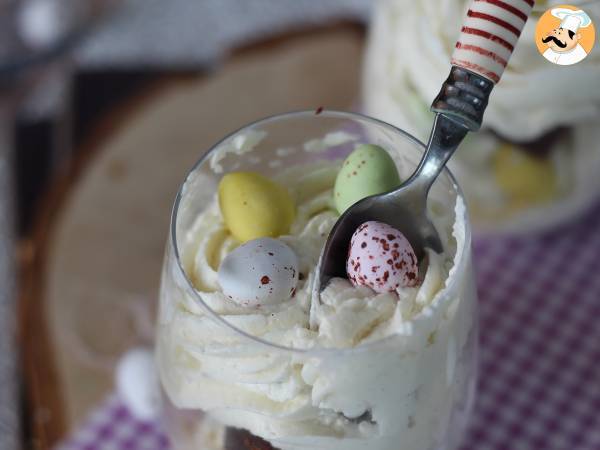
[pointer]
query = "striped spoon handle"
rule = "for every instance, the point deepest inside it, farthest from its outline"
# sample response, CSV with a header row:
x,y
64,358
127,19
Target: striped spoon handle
x,y
487,39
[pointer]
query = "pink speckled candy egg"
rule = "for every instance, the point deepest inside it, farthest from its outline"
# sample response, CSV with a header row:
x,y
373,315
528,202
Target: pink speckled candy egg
x,y
382,258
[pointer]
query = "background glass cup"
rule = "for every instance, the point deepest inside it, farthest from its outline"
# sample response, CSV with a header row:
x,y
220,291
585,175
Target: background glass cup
x,y
532,166
407,391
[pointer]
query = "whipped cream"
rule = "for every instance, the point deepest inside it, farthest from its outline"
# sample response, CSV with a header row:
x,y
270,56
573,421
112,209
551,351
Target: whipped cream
x,y
377,370
407,60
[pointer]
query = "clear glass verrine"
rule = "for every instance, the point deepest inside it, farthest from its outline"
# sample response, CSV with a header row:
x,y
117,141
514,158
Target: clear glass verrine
x,y
231,386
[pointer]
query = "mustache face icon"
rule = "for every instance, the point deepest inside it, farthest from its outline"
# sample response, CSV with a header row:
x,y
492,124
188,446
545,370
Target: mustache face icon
x,y
558,42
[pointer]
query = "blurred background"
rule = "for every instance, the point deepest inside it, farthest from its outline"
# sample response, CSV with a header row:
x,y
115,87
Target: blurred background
x,y
104,105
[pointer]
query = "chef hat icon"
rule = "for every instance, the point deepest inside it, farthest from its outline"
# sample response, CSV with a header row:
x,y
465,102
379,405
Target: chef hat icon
x,y
570,19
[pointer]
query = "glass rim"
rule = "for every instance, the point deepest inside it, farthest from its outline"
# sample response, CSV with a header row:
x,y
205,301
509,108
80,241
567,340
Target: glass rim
x,y
317,351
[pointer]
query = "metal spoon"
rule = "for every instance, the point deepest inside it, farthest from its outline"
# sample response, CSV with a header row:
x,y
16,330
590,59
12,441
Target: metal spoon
x,y
488,36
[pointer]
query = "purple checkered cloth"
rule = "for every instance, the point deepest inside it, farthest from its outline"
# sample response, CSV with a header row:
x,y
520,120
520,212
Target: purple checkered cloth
x,y
112,427
539,385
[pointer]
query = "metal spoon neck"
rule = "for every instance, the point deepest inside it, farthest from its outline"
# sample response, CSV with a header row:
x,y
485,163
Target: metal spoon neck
x,y
445,137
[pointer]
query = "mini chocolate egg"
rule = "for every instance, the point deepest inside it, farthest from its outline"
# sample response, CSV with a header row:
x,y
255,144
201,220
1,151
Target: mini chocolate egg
x,y
254,206
524,179
368,170
260,272
382,258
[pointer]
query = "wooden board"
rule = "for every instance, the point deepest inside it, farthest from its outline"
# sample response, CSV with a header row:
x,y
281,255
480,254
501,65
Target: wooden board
x,y
98,246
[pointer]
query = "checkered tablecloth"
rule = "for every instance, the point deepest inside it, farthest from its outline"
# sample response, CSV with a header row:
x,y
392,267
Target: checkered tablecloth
x,y
539,385
112,427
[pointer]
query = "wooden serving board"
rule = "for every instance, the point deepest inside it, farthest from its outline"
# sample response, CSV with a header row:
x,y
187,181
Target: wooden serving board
x,y
97,250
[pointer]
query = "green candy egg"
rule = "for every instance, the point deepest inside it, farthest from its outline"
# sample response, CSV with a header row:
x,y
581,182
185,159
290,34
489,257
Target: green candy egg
x,y
368,170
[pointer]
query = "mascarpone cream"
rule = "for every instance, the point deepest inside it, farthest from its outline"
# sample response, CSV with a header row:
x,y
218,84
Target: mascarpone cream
x,y
374,370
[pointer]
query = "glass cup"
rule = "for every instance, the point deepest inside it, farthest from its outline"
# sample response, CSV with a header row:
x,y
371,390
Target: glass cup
x,y
226,388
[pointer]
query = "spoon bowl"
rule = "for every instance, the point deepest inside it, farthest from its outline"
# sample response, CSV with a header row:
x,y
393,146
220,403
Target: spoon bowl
x,y
404,208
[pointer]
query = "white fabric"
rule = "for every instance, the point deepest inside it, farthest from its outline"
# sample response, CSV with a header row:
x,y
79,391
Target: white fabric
x,y
183,34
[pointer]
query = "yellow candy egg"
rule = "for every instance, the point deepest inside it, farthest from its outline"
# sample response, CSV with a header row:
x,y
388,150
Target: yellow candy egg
x,y
525,179
254,206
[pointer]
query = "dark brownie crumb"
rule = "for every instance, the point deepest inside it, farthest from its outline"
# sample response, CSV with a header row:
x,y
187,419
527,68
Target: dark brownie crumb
x,y
236,439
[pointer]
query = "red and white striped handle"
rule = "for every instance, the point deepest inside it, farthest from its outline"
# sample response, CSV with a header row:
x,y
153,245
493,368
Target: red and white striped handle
x,y
489,34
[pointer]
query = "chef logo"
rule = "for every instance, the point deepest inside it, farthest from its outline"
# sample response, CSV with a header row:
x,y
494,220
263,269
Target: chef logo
x,y
565,35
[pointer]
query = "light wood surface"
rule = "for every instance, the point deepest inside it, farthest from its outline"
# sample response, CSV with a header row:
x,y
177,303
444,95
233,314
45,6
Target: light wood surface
x,y
98,248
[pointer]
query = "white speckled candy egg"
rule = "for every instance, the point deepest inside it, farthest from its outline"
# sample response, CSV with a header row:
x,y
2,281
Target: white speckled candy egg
x,y
381,257
262,271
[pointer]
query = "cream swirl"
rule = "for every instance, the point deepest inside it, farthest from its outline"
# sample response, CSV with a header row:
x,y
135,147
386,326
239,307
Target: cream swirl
x,y
399,393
